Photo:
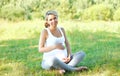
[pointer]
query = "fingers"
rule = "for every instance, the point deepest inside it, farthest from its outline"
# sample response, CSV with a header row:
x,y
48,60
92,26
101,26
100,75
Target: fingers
x,y
66,60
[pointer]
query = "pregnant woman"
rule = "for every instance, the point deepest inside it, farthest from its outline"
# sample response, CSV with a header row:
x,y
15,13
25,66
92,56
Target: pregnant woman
x,y
55,47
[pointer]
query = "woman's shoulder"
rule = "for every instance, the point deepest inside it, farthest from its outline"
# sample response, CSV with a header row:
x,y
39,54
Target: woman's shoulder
x,y
61,28
44,31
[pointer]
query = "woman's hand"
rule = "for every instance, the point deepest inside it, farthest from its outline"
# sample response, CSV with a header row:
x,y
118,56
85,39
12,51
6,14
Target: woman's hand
x,y
60,46
66,60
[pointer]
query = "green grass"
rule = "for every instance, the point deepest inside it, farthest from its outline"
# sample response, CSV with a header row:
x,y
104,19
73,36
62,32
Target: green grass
x,y
100,40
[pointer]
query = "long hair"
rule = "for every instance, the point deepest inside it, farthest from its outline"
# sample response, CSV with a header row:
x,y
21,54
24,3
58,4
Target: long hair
x,y
46,25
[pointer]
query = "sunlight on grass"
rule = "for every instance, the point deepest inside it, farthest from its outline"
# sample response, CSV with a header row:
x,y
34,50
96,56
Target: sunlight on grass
x,y
104,73
12,69
93,26
18,30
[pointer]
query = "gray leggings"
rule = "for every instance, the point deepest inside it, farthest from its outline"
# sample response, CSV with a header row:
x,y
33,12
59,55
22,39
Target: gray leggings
x,y
57,64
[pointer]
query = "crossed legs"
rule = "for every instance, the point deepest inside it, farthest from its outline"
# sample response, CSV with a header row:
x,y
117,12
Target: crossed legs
x,y
57,64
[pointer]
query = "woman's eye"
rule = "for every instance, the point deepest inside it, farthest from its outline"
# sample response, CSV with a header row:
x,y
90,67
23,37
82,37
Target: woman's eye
x,y
54,18
50,20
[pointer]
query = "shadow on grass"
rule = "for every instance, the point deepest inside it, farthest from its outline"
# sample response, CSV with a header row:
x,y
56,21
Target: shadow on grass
x,y
23,51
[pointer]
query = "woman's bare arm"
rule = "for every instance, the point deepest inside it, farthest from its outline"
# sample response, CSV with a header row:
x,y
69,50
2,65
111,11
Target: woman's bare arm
x,y
43,48
42,41
67,44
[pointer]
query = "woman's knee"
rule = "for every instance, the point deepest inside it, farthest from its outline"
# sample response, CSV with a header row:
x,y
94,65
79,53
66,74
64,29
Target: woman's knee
x,y
82,53
53,61
47,64
79,55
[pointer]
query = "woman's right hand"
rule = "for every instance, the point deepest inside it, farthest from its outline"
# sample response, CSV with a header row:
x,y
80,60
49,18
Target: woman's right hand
x,y
60,46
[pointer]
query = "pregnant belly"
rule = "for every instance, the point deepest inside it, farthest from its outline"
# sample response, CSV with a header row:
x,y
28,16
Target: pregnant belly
x,y
60,54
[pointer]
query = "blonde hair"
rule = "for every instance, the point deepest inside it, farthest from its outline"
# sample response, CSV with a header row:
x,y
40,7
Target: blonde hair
x,y
50,12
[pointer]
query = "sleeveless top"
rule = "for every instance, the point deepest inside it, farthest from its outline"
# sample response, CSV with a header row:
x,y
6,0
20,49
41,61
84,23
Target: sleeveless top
x,y
52,40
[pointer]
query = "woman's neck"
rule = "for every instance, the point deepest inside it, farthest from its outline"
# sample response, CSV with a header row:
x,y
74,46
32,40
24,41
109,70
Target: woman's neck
x,y
53,28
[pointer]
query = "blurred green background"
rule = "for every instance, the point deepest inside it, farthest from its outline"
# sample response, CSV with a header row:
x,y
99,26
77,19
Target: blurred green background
x,y
16,10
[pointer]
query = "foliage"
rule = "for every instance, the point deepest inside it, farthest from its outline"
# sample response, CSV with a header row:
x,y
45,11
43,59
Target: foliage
x,y
17,13
67,9
98,12
116,14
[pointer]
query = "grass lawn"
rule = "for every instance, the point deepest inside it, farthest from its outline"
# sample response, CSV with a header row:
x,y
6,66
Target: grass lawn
x,y
100,40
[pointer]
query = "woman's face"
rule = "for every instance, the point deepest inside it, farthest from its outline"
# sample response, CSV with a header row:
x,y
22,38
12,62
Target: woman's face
x,y
52,20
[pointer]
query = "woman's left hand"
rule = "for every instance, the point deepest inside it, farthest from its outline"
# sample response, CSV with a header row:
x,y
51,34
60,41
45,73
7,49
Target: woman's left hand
x,y
66,60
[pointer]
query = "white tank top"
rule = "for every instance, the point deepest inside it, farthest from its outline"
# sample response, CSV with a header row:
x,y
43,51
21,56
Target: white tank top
x,y
52,40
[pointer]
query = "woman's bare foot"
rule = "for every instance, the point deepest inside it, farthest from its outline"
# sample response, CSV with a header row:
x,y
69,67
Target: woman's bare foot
x,y
61,71
82,68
